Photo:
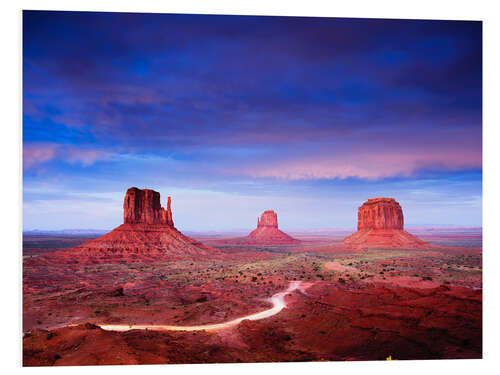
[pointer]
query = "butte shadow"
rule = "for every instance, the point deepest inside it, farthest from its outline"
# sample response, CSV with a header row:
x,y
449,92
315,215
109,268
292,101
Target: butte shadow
x,y
147,234
381,226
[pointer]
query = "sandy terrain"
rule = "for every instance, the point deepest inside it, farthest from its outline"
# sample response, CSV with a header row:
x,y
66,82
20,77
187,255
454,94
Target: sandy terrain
x,y
358,306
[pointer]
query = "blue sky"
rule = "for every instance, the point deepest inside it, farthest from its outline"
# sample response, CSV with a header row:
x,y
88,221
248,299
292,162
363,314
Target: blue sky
x,y
232,115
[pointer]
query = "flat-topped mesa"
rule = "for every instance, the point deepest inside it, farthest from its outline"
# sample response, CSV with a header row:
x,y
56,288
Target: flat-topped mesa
x,y
144,207
268,218
381,226
380,213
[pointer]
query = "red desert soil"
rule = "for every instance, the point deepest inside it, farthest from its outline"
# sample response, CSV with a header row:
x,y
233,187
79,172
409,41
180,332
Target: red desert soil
x,y
360,304
363,305
331,321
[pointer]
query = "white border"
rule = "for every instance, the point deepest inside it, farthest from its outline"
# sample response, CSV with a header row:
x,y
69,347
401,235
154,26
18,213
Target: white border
x,y
11,161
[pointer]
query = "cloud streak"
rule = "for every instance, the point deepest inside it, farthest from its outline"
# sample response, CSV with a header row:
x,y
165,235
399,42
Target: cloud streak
x,y
35,154
250,105
372,166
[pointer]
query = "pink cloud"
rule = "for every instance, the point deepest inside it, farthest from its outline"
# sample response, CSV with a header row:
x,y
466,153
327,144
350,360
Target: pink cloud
x,y
85,156
39,153
369,165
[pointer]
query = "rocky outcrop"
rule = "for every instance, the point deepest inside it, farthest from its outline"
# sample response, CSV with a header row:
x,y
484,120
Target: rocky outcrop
x,y
267,233
147,234
381,225
144,207
380,213
268,219
170,221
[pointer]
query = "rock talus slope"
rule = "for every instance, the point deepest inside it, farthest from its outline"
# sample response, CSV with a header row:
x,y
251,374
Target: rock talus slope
x,y
381,225
148,233
266,233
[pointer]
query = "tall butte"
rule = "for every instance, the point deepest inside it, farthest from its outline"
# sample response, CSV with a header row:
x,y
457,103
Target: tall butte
x,y
267,232
144,207
147,234
381,225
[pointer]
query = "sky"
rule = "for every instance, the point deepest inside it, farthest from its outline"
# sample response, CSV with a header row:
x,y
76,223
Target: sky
x,y
233,115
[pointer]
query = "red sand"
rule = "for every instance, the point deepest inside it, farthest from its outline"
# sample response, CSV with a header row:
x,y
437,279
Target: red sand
x,y
360,304
330,322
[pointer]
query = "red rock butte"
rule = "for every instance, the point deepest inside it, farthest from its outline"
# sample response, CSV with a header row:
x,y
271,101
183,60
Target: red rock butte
x,y
147,234
381,225
143,206
267,233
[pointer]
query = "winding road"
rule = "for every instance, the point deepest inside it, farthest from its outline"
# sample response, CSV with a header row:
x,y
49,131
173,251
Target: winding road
x,y
278,301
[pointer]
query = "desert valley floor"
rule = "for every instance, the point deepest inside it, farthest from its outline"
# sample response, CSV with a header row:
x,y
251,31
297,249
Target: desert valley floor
x,y
352,305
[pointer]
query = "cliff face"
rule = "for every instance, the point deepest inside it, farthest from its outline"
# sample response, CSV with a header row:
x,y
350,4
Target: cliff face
x,y
266,233
144,207
381,225
268,218
380,213
147,234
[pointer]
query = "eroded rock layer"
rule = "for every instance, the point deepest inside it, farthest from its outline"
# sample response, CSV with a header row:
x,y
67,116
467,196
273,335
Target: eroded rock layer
x,y
144,207
148,233
380,213
266,233
381,225
268,218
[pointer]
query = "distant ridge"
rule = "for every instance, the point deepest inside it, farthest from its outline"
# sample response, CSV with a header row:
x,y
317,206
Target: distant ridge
x,y
66,232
